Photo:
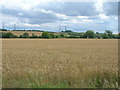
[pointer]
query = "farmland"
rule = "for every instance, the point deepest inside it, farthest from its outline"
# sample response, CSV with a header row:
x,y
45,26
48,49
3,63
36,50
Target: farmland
x,y
56,63
18,33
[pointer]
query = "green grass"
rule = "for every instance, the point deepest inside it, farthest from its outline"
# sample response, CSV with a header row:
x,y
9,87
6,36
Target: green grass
x,y
49,85
29,83
97,81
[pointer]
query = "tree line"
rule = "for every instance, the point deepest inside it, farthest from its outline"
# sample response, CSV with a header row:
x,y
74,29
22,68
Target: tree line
x,y
65,34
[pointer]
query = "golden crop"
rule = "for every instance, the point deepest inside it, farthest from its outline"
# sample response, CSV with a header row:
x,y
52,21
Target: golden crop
x,y
79,63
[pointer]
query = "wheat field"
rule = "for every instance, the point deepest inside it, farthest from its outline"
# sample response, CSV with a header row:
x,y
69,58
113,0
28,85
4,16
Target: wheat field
x,y
59,63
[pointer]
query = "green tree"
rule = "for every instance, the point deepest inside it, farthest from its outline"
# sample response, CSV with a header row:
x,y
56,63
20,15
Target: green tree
x,y
33,36
97,35
67,31
115,36
82,34
97,32
46,35
8,35
109,33
105,36
25,35
119,35
53,35
89,34
62,35
74,36
57,36
3,29
0,34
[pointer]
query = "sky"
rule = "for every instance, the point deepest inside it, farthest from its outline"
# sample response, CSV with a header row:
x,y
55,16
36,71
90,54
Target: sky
x,y
54,15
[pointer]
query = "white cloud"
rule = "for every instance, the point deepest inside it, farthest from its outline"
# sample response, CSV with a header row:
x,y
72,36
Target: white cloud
x,y
20,14
83,17
103,16
31,25
62,16
99,6
75,21
116,18
87,20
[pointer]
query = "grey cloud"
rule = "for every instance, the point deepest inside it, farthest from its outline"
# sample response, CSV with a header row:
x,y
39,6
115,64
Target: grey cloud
x,y
110,8
80,8
10,12
72,8
33,17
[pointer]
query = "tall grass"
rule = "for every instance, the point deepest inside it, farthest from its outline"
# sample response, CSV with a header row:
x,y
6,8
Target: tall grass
x,y
60,63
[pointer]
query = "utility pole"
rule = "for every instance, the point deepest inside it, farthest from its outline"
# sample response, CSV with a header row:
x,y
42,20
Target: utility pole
x,y
59,28
14,26
3,25
65,28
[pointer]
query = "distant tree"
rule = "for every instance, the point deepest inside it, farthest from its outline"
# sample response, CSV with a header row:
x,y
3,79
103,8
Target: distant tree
x,y
97,32
3,29
105,36
46,35
109,33
0,34
20,36
62,35
115,36
74,33
67,31
81,35
8,35
119,35
25,35
89,34
57,36
33,36
74,36
97,35
53,35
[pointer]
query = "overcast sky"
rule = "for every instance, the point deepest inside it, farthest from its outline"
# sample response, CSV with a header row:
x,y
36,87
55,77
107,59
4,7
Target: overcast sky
x,y
48,15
